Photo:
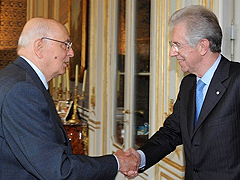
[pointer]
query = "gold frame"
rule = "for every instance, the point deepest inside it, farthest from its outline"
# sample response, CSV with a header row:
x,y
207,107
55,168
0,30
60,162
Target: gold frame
x,y
78,32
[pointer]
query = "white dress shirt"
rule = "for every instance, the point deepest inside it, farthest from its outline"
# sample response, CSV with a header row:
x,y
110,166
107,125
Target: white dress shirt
x,y
39,73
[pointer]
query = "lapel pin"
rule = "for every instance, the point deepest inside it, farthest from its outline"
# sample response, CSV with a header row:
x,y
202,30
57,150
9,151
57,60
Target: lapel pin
x,y
217,92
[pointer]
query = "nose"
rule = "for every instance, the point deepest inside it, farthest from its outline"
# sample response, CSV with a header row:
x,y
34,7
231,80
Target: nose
x,y
70,52
173,52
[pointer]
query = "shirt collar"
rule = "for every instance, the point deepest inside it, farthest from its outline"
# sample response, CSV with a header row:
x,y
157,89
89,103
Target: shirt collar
x,y
207,77
39,73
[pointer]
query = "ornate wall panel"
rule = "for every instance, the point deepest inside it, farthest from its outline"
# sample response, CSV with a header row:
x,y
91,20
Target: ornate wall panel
x,y
63,11
12,20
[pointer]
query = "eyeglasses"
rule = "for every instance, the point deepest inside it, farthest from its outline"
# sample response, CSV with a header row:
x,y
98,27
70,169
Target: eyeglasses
x,y
176,46
67,44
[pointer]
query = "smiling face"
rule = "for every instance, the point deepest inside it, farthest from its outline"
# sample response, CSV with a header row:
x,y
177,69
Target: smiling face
x,y
189,58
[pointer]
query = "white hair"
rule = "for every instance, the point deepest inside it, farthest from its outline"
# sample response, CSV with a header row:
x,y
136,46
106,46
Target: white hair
x,y
34,29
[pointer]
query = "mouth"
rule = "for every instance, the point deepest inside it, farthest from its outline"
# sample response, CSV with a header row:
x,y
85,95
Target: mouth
x,y
180,60
66,64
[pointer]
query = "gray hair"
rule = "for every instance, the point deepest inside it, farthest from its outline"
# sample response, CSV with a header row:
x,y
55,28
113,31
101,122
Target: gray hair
x,y
38,29
201,23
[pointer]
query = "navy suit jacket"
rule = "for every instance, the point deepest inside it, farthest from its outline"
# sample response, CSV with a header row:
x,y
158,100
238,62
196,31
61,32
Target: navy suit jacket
x,y
212,148
33,142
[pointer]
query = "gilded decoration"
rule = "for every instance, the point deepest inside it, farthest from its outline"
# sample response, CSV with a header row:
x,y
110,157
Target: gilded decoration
x,y
12,20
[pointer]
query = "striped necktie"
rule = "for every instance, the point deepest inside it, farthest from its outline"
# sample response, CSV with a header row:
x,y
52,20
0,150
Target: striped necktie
x,y
199,98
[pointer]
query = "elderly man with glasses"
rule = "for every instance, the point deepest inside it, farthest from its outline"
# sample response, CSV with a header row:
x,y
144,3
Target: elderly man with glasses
x,y
33,142
206,114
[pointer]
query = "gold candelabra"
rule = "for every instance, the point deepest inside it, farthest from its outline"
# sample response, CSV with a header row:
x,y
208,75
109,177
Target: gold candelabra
x,y
74,118
66,101
68,95
59,97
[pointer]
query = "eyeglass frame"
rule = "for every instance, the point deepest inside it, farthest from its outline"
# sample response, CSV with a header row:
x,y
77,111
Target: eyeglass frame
x,y
67,44
177,46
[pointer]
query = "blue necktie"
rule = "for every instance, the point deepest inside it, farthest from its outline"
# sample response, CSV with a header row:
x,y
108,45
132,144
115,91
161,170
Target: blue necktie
x,y
199,99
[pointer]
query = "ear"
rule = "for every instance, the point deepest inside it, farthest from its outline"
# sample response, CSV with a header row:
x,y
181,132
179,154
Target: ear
x,y
38,47
204,46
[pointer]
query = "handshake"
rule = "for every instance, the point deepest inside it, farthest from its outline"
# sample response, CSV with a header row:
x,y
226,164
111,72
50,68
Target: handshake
x,y
129,162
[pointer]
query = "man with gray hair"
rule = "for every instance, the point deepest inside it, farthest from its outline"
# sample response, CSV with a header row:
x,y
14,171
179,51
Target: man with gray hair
x,y
33,142
206,114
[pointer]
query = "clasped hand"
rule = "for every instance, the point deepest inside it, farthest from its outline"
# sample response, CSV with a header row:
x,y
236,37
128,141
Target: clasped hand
x,y
129,162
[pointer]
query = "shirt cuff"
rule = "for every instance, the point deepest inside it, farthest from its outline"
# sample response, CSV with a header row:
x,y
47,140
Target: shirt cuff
x,y
117,161
143,158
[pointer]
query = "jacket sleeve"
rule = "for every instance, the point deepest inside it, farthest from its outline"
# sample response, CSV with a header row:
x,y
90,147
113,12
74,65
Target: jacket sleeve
x,y
165,140
37,142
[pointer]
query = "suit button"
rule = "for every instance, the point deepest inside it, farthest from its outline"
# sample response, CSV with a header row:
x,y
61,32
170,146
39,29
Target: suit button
x,y
195,170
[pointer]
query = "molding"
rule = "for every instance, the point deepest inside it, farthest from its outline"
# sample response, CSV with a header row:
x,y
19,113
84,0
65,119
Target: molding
x,y
170,171
94,122
162,174
174,164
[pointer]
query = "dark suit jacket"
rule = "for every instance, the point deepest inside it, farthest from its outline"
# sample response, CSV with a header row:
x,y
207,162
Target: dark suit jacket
x,y
212,148
33,142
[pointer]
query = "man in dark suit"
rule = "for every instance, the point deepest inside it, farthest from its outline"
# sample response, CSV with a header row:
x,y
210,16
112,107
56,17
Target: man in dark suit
x,y
33,142
212,140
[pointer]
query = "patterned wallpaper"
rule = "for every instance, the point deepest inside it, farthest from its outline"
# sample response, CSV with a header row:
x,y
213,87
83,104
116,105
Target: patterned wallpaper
x,y
12,20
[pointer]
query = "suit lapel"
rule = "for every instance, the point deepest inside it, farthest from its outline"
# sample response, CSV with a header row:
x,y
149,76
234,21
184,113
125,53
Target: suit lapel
x,y
215,91
191,109
23,64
